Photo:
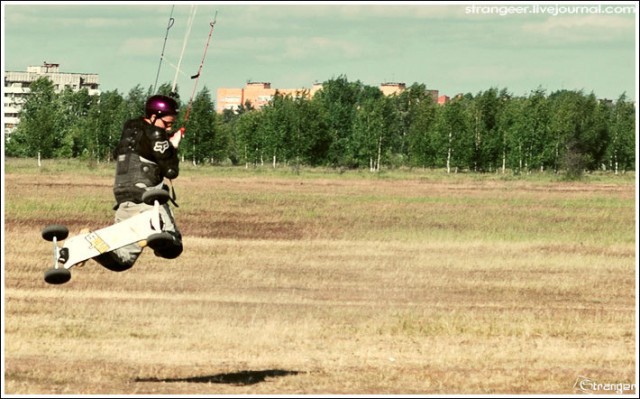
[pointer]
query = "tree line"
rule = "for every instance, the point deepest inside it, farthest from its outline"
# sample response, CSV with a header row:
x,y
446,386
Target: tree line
x,y
349,124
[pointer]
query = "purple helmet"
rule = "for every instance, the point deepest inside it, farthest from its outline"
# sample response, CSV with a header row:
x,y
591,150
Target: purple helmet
x,y
160,106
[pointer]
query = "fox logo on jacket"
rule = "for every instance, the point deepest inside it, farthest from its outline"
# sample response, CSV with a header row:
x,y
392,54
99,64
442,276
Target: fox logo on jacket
x,y
161,146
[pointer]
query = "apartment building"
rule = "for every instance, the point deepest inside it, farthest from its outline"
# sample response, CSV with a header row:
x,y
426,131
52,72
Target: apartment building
x,y
17,83
257,93
260,93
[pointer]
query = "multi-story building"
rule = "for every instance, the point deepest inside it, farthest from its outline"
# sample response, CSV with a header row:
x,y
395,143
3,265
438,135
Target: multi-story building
x,y
443,99
391,88
260,93
257,93
16,88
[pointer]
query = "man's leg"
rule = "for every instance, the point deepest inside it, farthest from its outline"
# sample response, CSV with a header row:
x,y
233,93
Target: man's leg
x,y
122,259
170,246
113,262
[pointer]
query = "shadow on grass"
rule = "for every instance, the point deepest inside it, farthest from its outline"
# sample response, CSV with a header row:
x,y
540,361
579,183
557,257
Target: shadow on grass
x,y
246,377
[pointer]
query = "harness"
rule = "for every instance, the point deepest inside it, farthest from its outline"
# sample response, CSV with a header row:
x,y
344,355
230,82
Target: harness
x,y
134,173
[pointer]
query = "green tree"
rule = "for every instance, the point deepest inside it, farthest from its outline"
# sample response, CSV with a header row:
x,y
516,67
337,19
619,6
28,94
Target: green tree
x,y
621,149
533,137
39,132
200,136
510,125
247,139
135,101
485,109
372,132
74,108
422,136
276,127
408,104
453,132
104,125
310,141
593,132
578,132
338,99
228,126
563,123
293,129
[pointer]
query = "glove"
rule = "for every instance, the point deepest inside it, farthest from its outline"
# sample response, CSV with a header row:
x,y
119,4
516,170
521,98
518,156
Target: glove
x,y
176,137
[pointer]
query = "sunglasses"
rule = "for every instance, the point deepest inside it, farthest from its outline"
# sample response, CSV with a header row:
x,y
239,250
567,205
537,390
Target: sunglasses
x,y
167,123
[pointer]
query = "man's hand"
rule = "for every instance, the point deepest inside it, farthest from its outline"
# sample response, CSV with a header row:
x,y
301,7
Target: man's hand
x,y
176,137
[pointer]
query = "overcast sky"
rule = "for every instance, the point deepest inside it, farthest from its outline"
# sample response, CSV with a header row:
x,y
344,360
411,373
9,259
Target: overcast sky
x,y
459,48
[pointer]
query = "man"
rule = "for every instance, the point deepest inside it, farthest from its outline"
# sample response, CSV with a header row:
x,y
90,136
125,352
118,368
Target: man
x,y
146,154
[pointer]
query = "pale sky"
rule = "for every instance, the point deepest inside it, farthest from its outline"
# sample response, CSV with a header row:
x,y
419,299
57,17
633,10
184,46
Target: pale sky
x,y
463,47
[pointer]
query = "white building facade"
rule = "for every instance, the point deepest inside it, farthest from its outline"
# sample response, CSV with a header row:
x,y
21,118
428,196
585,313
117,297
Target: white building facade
x,y
16,88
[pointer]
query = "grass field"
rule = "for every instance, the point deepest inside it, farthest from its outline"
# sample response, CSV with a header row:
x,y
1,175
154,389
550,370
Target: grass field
x,y
322,282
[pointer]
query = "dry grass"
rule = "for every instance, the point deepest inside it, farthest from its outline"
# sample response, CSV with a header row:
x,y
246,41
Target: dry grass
x,y
329,286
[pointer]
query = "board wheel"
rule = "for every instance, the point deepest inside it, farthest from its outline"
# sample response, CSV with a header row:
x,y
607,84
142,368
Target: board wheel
x,y
159,240
157,194
55,230
57,276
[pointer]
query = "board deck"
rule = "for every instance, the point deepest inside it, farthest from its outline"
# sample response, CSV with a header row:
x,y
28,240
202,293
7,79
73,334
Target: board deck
x,y
86,246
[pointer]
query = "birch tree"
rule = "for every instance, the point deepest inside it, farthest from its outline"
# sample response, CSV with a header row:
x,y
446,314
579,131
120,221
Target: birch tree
x,y
622,146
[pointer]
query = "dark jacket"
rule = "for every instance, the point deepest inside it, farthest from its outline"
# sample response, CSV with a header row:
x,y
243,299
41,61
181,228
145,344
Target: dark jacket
x,y
144,158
